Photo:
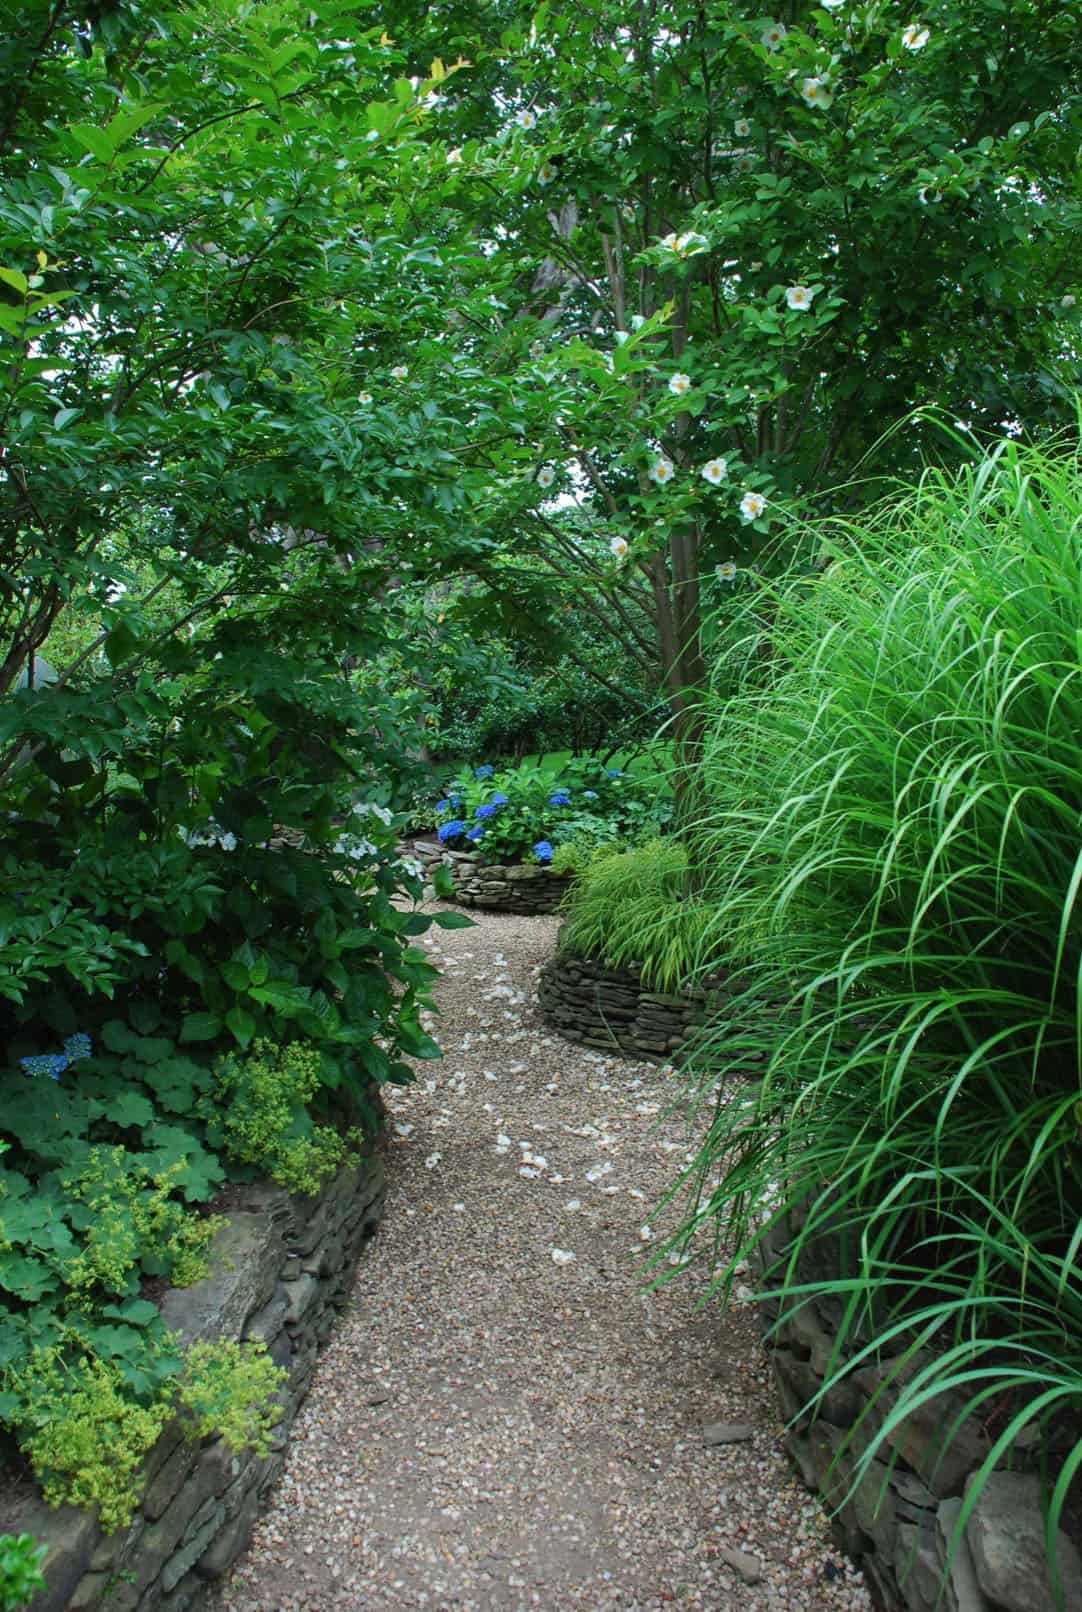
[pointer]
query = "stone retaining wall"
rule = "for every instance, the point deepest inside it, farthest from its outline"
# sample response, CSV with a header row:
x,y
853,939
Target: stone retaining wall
x,y
499,887
899,1522
609,1008
281,1270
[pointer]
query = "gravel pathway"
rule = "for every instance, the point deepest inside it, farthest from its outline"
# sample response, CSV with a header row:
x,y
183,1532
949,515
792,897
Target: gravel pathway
x,y
505,1419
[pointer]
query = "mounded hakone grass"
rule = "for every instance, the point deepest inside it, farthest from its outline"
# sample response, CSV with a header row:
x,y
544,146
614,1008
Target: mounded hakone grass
x,y
633,909
899,800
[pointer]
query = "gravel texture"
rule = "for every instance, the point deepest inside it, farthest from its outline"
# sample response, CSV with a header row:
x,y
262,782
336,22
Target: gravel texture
x,y
506,1417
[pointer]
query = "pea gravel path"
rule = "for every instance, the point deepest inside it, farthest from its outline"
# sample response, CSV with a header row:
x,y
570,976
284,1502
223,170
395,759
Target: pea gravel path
x,y
505,1419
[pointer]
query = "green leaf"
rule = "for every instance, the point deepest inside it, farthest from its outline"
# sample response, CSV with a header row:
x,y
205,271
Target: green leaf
x,y
453,920
200,1027
242,1024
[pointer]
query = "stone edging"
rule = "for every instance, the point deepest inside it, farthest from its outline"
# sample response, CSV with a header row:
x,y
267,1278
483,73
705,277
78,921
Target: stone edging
x,y
899,1521
520,887
598,1006
281,1270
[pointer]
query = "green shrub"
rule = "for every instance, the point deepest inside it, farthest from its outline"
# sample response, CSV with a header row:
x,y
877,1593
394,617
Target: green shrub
x,y
634,909
20,1570
901,809
527,813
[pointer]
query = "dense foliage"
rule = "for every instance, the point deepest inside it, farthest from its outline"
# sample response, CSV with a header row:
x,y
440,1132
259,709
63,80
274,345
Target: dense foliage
x,y
556,813
898,821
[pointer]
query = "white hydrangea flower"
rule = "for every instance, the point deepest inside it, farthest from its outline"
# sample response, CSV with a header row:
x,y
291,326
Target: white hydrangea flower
x,y
726,571
679,384
799,297
618,547
742,128
915,37
772,35
400,372
546,173
546,476
752,506
714,471
816,91
661,470
526,119
364,398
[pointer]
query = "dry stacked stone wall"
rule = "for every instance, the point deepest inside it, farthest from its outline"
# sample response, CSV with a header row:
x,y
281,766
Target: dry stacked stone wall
x,y
281,1270
608,1008
519,887
899,1522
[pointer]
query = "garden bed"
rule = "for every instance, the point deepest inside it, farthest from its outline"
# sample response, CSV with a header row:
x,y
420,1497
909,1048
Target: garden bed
x,y
899,1521
281,1270
519,887
588,1002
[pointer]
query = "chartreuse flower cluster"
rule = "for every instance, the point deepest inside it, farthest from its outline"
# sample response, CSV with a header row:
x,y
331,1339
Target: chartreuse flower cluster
x,y
534,814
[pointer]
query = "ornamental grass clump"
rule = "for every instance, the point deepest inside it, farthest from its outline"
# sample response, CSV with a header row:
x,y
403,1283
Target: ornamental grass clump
x,y
902,807
634,909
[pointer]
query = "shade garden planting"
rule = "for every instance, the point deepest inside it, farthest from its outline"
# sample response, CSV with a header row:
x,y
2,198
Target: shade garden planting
x,y
387,393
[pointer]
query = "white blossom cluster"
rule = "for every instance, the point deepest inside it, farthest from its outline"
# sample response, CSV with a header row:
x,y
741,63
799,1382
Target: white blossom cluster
x,y
212,834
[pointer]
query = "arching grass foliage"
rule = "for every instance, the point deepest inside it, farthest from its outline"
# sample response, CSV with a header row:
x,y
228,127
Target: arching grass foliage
x,y
901,801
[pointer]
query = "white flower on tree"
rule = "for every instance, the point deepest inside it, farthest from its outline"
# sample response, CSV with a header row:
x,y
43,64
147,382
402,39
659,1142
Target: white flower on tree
x,y
772,35
546,173
546,476
742,128
400,372
618,548
915,37
679,384
714,471
799,297
752,506
928,195
816,91
726,571
364,398
661,470
526,119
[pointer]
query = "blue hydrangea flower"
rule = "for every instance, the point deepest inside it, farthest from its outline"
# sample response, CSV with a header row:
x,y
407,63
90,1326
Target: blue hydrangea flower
x,y
484,810
51,1064
559,797
475,833
443,805
455,799
498,799
450,831
613,772
484,772
543,851
78,1046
